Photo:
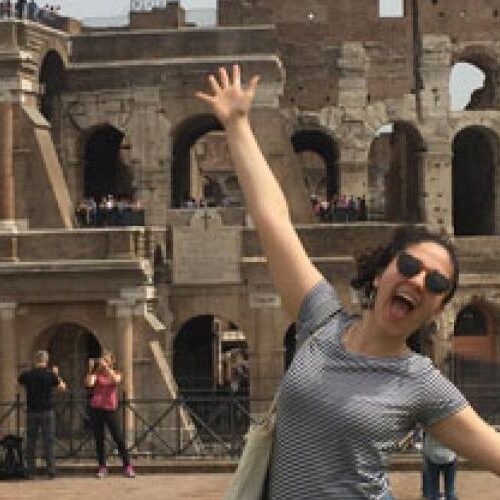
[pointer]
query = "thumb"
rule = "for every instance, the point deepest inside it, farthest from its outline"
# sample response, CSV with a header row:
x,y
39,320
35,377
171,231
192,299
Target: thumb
x,y
252,86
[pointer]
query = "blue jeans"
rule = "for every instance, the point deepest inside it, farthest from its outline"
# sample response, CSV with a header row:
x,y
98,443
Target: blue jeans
x,y
46,423
433,472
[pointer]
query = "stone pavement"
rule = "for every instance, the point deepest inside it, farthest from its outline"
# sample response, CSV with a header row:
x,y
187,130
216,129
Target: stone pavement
x,y
472,485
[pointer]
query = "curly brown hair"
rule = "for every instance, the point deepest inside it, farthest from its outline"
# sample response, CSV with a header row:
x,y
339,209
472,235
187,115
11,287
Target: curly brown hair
x,y
372,263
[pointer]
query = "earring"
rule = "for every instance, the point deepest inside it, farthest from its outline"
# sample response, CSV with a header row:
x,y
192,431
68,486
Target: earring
x,y
371,298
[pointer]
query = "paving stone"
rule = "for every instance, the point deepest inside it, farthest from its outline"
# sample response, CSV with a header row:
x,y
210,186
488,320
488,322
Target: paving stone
x,y
472,485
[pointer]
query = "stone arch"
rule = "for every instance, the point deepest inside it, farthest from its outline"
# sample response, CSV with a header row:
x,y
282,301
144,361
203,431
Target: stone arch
x,y
321,178
184,137
53,44
474,354
203,324
104,171
70,346
52,82
395,173
65,317
483,58
475,178
210,358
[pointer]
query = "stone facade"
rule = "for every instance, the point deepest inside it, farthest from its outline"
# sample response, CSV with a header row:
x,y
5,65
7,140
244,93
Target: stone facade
x,y
333,74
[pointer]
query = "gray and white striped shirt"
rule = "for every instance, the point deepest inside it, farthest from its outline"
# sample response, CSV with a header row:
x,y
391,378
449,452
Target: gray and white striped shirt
x,y
340,414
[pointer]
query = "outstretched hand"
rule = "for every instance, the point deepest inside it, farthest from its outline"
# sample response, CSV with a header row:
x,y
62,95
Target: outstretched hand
x,y
229,100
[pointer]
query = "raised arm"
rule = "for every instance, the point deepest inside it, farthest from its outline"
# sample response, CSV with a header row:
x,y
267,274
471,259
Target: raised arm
x,y
292,271
471,437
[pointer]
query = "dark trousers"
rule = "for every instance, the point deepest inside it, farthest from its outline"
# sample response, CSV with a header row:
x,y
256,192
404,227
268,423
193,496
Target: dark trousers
x,y
100,418
433,472
46,422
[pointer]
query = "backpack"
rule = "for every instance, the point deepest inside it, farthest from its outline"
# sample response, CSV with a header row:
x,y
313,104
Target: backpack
x,y
11,457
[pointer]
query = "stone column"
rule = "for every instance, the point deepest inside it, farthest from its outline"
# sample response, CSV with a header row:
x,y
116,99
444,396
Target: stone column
x,y
7,186
437,198
124,334
8,359
6,161
353,91
353,177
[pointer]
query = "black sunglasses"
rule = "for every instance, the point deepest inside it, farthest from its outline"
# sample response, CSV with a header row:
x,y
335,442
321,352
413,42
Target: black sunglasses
x,y
410,266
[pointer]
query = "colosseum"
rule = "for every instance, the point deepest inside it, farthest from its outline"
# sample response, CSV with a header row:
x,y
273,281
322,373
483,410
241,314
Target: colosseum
x,y
122,224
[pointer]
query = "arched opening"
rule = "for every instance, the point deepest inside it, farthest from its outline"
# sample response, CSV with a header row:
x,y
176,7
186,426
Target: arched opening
x,y
469,87
211,360
186,174
52,80
471,322
70,347
318,158
395,174
475,368
475,151
105,173
290,345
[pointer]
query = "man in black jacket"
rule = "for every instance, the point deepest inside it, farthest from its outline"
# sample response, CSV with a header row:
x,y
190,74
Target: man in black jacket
x,y
39,383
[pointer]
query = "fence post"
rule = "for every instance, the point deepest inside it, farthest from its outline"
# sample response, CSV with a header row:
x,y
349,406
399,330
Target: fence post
x,y
18,415
231,420
124,419
71,422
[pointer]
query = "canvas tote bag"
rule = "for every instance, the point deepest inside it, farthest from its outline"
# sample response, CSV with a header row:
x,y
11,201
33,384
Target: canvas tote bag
x,y
250,476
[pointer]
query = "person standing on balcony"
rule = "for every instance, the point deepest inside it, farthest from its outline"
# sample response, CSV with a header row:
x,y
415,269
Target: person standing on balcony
x,y
103,379
356,389
39,383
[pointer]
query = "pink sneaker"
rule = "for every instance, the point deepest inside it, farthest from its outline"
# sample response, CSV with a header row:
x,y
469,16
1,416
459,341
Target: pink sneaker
x,y
129,471
102,471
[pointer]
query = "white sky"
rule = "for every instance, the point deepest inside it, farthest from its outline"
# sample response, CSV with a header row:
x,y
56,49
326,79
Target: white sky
x,y
110,8
464,78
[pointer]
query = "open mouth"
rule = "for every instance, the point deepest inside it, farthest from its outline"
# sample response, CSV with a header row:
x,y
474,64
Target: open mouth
x,y
402,304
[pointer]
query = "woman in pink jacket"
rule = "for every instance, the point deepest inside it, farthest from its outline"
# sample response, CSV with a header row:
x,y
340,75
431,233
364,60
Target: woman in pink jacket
x,y
103,379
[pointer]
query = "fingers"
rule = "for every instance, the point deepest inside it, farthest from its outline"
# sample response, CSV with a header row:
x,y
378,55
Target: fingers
x,y
224,78
236,75
252,86
205,97
214,84
224,83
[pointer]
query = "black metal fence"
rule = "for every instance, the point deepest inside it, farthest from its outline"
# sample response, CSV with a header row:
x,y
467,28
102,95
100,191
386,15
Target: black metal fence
x,y
189,426
212,426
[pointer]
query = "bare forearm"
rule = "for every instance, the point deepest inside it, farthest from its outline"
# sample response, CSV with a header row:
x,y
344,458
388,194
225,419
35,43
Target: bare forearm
x,y
263,194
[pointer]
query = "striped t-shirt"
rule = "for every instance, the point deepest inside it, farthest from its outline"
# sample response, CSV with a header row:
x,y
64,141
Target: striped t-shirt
x,y
340,414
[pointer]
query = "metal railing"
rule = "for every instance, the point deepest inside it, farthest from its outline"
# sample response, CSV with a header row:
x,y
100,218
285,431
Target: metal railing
x,y
152,427
217,424
146,5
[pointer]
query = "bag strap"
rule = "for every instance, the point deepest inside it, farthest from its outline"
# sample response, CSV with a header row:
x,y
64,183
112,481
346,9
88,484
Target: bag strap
x,y
309,339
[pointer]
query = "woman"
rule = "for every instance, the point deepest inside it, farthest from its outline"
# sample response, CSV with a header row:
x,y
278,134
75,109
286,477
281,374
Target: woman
x,y
356,389
103,379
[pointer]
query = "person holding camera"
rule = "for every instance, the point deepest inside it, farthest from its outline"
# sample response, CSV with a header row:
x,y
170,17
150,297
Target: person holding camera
x,y
103,379
39,383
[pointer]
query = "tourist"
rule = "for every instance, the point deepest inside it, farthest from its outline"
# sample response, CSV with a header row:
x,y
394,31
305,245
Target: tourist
x,y
103,379
32,10
438,459
356,390
5,8
39,383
